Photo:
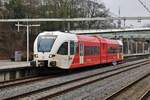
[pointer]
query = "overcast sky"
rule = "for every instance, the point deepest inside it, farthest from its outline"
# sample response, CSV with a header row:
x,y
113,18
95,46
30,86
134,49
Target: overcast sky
x,y
127,8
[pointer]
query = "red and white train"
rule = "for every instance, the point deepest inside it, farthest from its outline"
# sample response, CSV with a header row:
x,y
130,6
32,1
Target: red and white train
x,y
68,51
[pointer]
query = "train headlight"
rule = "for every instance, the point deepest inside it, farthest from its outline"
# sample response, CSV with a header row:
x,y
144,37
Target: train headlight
x,y
50,56
35,55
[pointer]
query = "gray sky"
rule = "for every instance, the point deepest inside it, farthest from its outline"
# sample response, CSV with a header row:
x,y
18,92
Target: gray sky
x,y
127,8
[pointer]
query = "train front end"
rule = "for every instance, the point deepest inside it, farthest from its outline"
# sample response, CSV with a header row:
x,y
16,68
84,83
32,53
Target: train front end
x,y
51,49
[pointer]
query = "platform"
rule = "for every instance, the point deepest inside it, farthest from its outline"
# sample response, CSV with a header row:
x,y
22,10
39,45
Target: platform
x,y
7,64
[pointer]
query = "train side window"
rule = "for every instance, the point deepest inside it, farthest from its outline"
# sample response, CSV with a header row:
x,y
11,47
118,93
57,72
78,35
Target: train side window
x,y
63,50
109,50
82,50
72,47
77,48
112,50
120,49
91,50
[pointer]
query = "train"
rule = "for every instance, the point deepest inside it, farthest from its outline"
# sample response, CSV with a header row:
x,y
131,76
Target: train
x,y
65,50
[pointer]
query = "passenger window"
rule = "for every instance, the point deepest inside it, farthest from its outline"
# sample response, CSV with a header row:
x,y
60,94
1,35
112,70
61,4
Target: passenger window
x,y
77,48
63,50
81,50
72,48
120,49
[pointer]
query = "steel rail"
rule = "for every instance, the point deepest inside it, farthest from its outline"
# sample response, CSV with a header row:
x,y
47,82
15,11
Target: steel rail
x,y
21,81
112,97
145,95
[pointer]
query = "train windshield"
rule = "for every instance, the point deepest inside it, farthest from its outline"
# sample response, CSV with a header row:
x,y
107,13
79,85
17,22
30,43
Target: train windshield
x,y
45,43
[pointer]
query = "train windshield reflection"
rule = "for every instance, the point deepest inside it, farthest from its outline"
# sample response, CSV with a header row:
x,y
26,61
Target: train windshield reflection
x,y
45,43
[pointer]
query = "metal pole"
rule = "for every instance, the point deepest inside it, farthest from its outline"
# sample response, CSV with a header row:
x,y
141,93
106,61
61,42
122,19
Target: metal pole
x,y
27,43
143,47
128,45
18,27
148,47
136,47
124,23
131,47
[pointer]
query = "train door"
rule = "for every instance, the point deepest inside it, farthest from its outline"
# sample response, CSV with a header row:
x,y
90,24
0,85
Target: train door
x,y
103,53
81,52
71,51
64,55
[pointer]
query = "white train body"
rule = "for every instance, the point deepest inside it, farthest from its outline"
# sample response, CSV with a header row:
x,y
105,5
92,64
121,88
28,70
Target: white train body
x,y
47,45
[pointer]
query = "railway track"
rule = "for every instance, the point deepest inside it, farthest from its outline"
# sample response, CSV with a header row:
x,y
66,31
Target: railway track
x,y
35,78
30,79
58,89
124,93
146,95
26,80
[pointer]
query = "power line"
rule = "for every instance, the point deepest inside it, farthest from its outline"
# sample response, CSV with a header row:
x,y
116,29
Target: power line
x,y
145,5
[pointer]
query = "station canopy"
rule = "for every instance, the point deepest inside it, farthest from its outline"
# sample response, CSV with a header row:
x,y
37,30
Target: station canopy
x,y
116,33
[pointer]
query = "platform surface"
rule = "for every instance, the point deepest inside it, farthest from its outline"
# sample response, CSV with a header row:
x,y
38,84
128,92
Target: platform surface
x,y
7,64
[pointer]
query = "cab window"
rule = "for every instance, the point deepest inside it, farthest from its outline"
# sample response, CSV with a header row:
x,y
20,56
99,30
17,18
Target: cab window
x,y
63,50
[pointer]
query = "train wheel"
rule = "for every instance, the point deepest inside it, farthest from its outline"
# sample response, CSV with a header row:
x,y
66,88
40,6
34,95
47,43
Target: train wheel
x,y
114,63
33,64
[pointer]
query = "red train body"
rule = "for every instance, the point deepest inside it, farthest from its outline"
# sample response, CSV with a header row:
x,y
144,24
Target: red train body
x,y
97,50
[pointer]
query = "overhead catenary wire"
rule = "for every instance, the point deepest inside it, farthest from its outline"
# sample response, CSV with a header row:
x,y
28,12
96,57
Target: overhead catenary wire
x,y
145,4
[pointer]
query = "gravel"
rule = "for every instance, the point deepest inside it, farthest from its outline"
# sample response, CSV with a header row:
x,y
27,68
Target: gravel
x,y
101,89
135,92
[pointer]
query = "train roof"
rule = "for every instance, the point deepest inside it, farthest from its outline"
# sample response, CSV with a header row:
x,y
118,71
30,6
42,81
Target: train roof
x,y
111,41
53,33
84,37
88,38
98,38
